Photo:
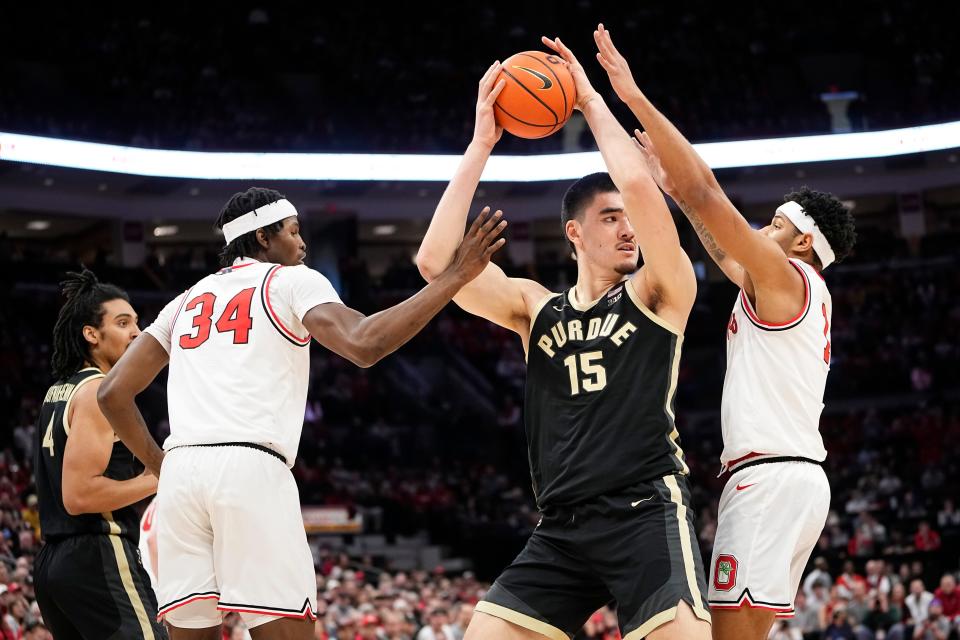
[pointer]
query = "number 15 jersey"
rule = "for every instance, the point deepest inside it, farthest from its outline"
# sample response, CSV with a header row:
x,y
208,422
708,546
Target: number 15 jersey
x,y
599,406
240,355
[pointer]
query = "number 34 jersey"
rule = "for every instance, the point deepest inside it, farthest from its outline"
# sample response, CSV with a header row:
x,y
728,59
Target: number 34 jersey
x,y
240,355
599,406
776,374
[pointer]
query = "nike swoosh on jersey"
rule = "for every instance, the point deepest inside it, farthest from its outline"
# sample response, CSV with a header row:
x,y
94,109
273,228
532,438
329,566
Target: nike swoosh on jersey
x,y
547,82
634,504
745,486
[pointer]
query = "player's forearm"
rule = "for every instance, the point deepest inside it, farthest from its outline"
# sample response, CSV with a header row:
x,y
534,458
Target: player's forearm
x,y
128,424
99,493
381,334
446,228
622,159
691,176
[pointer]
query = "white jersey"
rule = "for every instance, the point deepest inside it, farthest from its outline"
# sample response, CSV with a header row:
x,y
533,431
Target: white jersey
x,y
240,356
776,374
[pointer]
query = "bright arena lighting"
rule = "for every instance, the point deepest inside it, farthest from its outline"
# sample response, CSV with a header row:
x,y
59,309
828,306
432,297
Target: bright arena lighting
x,y
439,168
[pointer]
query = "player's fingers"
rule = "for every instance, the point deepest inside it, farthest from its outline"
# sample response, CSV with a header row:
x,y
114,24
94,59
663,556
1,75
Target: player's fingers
x,y
567,53
491,222
493,248
494,233
479,220
491,77
604,62
550,43
495,92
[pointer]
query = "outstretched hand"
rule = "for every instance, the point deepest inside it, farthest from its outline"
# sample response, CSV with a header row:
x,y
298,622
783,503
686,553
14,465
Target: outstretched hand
x,y
615,65
585,91
649,152
478,246
485,128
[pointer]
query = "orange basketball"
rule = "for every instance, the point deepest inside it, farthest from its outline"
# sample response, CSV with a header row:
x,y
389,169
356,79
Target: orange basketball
x,y
538,97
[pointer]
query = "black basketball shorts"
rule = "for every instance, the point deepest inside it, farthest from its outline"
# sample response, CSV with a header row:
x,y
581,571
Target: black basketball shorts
x,y
636,548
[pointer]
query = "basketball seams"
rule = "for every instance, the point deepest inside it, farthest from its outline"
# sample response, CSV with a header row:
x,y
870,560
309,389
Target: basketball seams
x,y
556,118
552,127
556,77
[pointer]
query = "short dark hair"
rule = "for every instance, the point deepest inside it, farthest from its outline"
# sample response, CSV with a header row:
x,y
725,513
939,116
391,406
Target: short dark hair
x,y
84,306
833,219
239,204
580,194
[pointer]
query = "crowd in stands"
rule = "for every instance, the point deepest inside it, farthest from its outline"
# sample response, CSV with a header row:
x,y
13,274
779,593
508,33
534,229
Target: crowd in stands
x,y
451,457
402,77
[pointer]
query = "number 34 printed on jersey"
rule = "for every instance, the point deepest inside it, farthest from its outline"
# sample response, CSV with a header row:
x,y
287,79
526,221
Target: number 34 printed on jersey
x,y
235,318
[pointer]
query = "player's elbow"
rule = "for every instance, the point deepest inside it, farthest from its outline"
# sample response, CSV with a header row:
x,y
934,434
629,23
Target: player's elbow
x,y
107,394
73,500
428,266
364,356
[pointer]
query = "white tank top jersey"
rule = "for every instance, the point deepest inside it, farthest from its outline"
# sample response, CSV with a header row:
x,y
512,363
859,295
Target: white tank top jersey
x,y
776,374
240,355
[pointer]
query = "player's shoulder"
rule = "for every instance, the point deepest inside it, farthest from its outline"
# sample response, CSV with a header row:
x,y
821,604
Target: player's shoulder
x,y
534,294
300,273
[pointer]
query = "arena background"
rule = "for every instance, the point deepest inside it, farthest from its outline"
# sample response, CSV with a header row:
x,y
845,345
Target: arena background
x,y
415,471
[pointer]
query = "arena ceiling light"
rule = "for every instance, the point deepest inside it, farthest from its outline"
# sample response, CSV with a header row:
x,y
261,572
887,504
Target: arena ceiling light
x,y
439,168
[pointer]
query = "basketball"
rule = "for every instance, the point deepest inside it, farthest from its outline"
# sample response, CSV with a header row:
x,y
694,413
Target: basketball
x,y
538,97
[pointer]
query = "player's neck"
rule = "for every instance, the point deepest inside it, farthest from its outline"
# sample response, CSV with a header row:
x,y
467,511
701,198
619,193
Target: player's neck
x,y
591,284
99,363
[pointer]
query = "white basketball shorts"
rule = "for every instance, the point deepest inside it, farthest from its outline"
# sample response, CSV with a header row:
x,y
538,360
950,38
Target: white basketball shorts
x,y
230,537
771,516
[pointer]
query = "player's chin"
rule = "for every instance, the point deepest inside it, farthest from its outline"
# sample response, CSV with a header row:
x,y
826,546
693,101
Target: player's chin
x,y
627,267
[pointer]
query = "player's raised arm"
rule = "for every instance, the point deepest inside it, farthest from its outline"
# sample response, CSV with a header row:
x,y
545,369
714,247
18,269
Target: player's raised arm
x,y
492,294
667,268
365,340
696,189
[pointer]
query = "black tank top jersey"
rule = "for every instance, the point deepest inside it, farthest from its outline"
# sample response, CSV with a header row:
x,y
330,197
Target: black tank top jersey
x,y
53,429
599,406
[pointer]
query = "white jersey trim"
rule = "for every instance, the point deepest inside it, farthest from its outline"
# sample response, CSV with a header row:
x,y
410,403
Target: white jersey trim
x,y
771,326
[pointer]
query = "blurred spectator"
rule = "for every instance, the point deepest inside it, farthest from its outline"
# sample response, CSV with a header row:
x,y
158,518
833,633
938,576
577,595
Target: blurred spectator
x,y
926,539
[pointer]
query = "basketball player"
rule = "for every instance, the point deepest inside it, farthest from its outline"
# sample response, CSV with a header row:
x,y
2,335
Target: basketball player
x,y
89,580
229,528
775,503
602,359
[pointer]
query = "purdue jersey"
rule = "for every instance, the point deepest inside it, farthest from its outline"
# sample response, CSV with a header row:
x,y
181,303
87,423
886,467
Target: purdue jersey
x,y
599,405
240,355
776,374
53,429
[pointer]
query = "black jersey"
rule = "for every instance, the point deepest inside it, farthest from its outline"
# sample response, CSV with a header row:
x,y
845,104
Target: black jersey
x,y
599,406
53,429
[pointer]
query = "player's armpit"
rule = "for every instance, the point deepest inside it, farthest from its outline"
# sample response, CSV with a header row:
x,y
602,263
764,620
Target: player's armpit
x,y
500,299
85,459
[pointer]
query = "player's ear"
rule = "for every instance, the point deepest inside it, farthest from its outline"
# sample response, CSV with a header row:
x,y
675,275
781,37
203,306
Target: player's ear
x,y
90,335
262,239
803,243
572,229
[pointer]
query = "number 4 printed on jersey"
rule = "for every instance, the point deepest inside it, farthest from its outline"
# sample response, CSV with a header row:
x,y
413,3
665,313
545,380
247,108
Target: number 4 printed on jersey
x,y
235,317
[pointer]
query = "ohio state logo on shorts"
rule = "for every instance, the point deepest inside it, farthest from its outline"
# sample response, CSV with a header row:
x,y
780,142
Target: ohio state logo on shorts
x,y
725,573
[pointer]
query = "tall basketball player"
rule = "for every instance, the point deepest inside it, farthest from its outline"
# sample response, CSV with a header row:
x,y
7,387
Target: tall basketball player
x,y
229,528
602,359
776,500
89,580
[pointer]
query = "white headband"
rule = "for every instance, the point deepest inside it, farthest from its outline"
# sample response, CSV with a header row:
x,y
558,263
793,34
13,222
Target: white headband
x,y
265,215
802,220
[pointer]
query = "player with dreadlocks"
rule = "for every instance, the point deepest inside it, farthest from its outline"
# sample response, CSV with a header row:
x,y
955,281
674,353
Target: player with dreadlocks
x,y
238,346
89,580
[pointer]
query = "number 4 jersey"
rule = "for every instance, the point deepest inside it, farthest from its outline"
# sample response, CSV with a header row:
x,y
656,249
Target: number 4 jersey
x,y
776,374
240,355
599,407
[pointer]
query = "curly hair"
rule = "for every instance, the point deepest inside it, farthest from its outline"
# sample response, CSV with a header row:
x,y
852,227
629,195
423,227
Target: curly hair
x,y
833,219
239,204
85,296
